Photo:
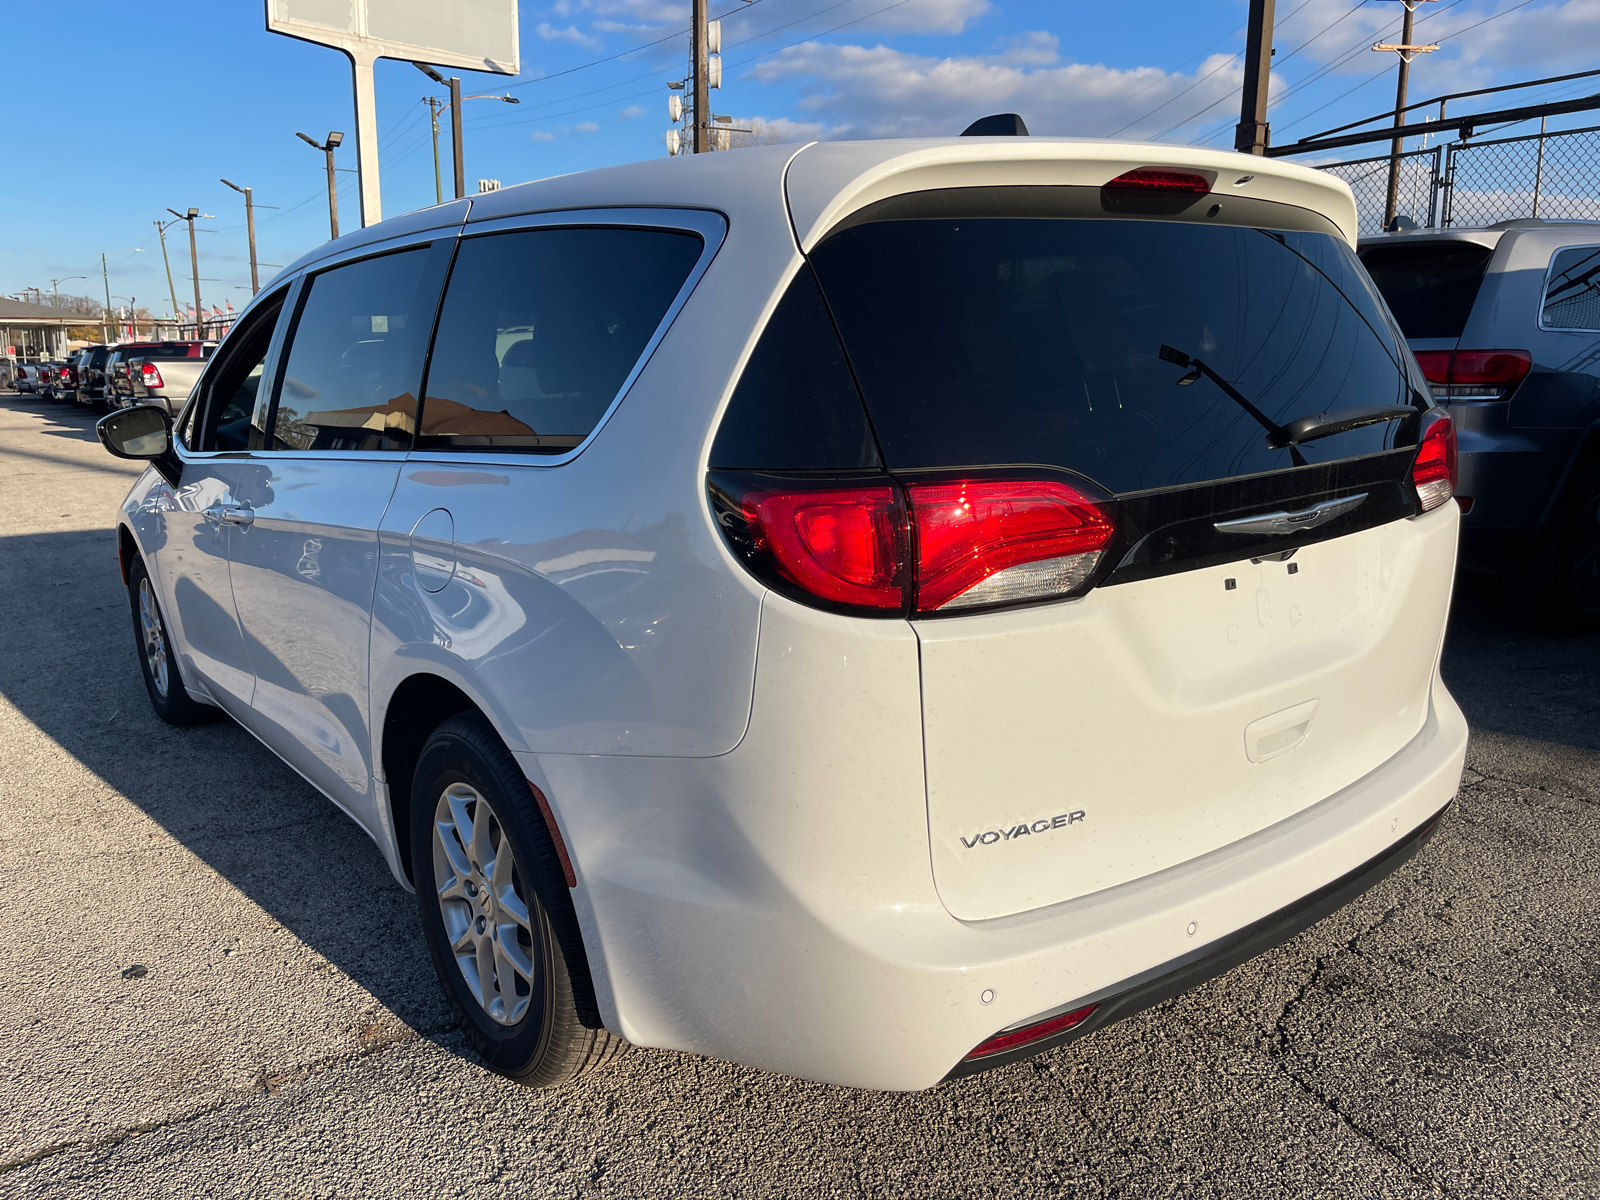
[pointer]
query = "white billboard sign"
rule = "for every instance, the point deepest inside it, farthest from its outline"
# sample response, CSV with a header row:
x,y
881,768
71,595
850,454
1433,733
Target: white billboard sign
x,y
472,35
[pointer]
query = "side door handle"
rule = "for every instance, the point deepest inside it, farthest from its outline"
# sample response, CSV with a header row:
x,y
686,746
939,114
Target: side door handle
x,y
229,514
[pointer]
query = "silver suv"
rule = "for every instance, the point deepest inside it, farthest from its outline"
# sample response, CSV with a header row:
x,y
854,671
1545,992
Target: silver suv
x,y
1505,323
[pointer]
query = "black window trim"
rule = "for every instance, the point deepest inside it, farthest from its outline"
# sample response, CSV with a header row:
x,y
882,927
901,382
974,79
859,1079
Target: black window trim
x,y
282,295
710,225
1544,288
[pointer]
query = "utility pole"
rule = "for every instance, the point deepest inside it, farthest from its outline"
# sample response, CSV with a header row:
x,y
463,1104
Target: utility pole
x,y
434,103
328,148
105,278
1253,133
194,265
455,137
161,232
1406,52
250,224
702,97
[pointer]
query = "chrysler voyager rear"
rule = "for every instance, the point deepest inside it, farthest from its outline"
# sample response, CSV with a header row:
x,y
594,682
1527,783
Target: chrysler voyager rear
x,y
944,597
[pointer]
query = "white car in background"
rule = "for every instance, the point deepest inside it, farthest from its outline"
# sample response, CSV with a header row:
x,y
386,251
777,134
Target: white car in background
x,y
872,611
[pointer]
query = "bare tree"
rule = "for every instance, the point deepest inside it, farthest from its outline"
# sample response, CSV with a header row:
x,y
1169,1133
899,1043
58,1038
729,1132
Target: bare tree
x,y
761,134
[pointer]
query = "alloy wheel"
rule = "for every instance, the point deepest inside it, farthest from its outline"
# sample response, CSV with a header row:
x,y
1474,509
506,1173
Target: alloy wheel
x,y
481,898
153,636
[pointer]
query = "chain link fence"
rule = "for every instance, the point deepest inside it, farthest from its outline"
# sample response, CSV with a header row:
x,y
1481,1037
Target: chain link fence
x,y
1555,176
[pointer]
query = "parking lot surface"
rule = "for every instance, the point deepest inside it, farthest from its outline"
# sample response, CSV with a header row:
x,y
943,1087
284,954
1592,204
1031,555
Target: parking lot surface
x,y
287,1037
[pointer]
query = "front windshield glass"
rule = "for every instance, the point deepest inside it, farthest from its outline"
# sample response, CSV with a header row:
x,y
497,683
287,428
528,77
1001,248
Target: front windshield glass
x,y
1010,341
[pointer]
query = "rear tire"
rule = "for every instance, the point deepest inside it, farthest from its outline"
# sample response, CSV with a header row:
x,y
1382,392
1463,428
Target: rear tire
x,y
1559,586
503,935
157,660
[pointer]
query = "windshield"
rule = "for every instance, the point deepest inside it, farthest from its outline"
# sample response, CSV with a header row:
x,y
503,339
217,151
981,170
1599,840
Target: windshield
x,y
1009,341
1430,286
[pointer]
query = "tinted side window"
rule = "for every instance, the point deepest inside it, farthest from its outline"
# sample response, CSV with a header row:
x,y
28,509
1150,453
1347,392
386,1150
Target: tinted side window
x,y
540,329
234,382
796,407
349,379
1572,293
1430,286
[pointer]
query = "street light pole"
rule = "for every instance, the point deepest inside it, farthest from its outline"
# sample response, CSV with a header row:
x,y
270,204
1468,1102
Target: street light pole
x,y
194,265
249,224
161,232
55,289
454,106
328,148
105,278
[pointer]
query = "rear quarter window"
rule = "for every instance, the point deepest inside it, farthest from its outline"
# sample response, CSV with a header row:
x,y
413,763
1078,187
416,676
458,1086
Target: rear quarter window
x,y
1572,291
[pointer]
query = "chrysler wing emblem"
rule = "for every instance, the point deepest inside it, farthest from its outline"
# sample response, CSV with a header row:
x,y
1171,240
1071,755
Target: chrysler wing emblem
x,y
1292,522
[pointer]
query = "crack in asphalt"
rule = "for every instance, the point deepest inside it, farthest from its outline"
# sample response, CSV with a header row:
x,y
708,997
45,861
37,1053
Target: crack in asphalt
x,y
266,1082
1278,1050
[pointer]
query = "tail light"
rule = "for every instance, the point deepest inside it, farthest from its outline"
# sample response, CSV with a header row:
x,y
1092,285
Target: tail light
x,y
1012,1039
1474,374
983,541
1434,469
64,375
149,376
875,548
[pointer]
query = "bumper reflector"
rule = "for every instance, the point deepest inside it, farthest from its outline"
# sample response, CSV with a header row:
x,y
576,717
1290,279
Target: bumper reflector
x,y
1010,1039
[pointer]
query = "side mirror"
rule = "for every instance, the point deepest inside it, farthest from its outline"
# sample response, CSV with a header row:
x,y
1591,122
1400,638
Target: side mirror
x,y
141,433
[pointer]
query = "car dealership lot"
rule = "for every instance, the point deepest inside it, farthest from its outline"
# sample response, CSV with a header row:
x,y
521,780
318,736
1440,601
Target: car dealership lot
x,y
287,1036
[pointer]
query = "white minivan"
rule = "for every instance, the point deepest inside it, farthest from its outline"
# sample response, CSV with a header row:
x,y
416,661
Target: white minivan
x,y
872,611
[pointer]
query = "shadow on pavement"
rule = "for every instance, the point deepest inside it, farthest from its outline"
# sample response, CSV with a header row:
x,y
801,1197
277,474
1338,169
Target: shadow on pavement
x,y
70,668
1512,681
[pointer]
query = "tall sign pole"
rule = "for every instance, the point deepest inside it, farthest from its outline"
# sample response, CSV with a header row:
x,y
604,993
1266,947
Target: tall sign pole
x,y
1253,133
1406,52
482,36
455,137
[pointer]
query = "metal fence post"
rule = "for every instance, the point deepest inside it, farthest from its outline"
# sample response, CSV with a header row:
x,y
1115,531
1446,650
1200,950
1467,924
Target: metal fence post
x,y
1538,171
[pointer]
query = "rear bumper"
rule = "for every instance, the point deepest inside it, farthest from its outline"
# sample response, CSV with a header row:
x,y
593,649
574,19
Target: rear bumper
x,y
1133,996
775,905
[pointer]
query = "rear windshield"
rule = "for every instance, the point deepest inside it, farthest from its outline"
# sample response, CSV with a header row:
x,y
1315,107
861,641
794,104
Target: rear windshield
x,y
999,340
1430,286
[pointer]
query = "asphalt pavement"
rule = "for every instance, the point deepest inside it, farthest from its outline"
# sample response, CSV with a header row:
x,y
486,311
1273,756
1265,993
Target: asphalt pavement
x,y
286,1037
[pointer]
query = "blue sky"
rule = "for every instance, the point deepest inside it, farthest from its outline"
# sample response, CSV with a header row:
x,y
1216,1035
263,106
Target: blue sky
x,y
155,102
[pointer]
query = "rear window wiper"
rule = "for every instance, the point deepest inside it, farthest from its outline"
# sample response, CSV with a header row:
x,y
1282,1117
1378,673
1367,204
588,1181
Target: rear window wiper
x,y
1338,420
1277,435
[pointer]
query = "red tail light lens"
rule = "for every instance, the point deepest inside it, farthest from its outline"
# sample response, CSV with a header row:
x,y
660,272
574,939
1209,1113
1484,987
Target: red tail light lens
x,y
984,541
1474,374
844,545
151,376
65,374
1434,470
1011,1039
1155,179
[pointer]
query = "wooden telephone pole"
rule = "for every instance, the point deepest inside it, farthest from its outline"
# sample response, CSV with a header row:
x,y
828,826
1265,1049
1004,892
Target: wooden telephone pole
x,y
1254,134
1407,52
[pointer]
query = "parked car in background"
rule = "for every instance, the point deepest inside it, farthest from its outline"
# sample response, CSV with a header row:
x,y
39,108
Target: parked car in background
x,y
165,375
63,380
30,377
874,611
92,377
1505,323
124,378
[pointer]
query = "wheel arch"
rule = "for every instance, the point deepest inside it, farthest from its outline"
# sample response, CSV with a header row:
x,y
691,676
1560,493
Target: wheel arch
x,y
419,704
1585,452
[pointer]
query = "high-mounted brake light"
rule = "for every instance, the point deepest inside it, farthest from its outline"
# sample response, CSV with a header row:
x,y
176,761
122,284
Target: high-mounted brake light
x,y
1434,469
1473,374
1155,179
151,376
991,541
844,545
1011,1039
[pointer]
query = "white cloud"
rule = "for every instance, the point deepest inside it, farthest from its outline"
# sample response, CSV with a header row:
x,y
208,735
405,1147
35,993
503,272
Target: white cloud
x,y
632,112
586,127
541,135
880,92
570,34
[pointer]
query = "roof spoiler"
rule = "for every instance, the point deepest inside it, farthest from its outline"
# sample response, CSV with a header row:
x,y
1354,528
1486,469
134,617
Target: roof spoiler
x,y
998,125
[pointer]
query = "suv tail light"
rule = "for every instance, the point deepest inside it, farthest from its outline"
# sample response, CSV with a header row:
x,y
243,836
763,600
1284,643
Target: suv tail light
x,y
149,376
875,548
1474,374
64,375
1433,471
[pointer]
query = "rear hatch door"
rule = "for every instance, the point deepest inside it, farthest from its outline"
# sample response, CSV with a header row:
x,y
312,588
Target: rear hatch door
x,y
1265,629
